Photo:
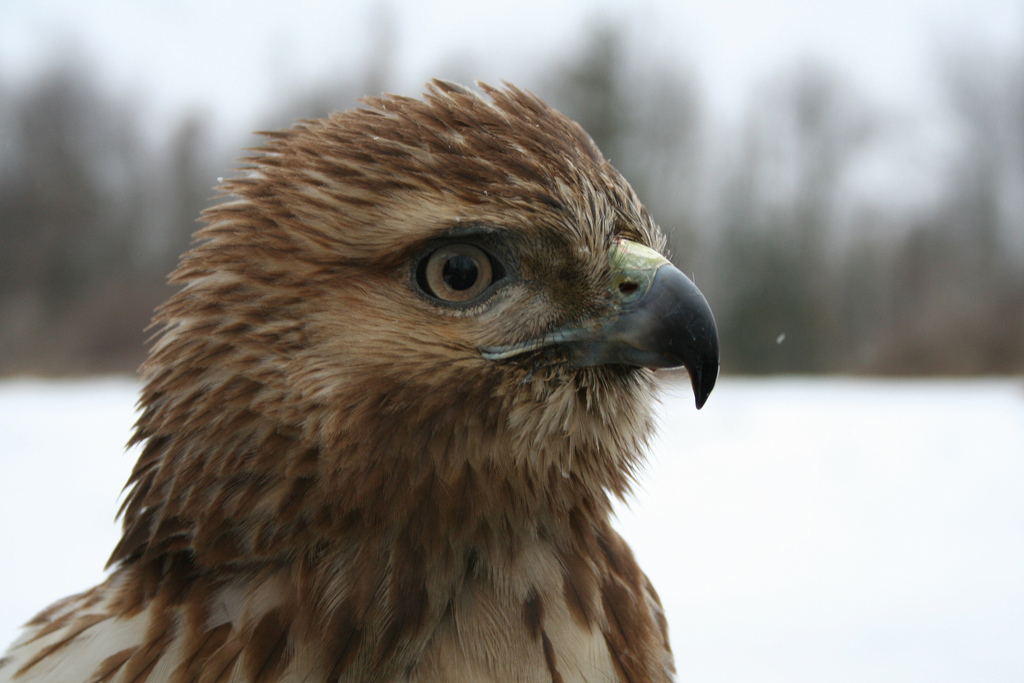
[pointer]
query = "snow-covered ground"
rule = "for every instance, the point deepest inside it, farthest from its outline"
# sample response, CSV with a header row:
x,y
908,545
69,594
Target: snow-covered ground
x,y
797,529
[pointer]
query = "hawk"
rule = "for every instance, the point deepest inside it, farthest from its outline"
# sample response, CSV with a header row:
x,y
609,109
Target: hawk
x,y
410,363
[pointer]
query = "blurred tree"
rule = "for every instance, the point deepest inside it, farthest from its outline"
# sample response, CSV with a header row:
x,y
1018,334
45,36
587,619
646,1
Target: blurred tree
x,y
779,313
960,273
342,90
67,203
77,185
646,115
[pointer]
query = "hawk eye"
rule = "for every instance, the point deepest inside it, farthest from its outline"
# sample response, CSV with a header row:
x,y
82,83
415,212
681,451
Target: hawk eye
x,y
457,272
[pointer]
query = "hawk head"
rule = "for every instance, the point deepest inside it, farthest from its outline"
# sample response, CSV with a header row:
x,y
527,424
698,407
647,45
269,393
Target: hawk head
x,y
446,311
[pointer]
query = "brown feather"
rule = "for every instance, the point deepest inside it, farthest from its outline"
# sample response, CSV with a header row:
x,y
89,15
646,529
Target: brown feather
x,y
112,665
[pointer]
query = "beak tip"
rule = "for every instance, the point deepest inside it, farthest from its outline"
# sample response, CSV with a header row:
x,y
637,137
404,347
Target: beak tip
x,y
703,380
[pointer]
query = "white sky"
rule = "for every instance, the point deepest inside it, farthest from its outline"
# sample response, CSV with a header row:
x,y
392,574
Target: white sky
x,y
232,58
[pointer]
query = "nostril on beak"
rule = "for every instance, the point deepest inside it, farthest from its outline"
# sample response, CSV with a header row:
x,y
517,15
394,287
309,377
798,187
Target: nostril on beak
x,y
627,287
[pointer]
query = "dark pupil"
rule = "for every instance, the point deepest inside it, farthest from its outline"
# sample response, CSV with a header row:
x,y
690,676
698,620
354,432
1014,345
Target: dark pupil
x,y
459,272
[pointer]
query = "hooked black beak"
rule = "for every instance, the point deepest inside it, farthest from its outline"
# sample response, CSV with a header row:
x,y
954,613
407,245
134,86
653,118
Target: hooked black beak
x,y
659,319
670,325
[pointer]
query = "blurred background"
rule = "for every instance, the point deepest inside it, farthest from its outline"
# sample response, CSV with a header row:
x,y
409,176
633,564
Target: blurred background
x,y
844,179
